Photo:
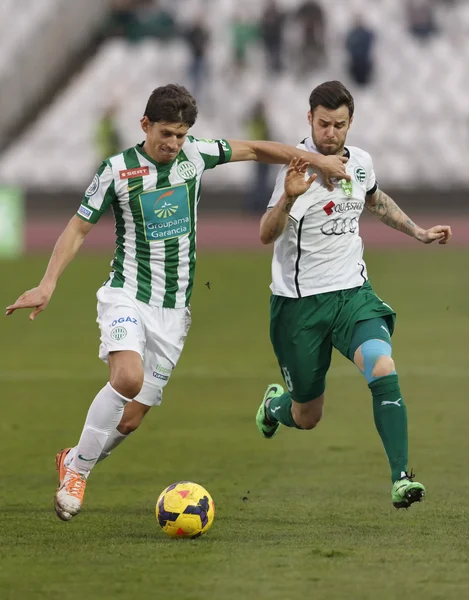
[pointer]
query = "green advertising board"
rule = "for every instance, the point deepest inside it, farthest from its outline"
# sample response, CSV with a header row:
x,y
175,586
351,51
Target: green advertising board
x,y
11,222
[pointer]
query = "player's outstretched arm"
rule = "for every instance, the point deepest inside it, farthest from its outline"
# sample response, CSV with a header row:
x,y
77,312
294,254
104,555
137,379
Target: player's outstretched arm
x,y
275,220
281,154
387,211
65,249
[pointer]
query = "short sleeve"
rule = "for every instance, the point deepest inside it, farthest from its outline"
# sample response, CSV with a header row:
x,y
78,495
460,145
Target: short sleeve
x,y
99,195
279,187
371,183
213,152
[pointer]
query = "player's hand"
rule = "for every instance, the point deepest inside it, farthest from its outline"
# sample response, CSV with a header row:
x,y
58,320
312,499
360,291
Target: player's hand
x,y
37,298
295,182
442,233
333,167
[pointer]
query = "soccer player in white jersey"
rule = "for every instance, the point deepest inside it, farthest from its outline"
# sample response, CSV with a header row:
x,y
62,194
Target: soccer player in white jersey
x,y
321,295
153,189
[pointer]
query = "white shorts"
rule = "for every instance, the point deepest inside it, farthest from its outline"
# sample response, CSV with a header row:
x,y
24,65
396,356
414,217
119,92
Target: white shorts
x,y
156,333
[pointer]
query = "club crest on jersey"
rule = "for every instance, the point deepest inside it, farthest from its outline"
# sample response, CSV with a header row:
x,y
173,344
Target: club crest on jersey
x,y
137,172
187,170
93,187
118,333
347,187
360,174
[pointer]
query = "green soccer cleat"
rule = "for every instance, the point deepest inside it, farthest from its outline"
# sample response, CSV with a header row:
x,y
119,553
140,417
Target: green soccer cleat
x,y
405,492
267,427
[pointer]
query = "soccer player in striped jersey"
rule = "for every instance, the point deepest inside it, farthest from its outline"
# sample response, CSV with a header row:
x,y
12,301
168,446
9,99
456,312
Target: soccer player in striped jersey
x,y
321,296
144,316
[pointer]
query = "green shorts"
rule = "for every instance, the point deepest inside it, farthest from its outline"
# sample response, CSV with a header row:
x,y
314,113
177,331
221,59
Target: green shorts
x,y
303,332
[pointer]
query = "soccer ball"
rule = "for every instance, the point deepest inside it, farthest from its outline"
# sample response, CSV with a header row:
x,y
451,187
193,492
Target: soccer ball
x,y
185,509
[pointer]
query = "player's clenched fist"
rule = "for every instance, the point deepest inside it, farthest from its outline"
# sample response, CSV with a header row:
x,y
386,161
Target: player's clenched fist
x,y
442,233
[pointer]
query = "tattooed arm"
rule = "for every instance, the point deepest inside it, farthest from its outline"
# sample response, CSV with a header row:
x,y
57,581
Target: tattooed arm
x,y
387,211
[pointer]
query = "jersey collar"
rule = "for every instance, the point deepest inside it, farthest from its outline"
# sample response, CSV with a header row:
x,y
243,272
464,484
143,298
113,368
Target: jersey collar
x,y
140,150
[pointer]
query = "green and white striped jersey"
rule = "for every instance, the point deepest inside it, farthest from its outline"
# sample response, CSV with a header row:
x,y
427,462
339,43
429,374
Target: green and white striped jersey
x,y
155,211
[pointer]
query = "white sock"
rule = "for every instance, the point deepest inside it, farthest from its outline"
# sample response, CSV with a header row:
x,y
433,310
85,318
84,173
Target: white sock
x,y
115,438
103,417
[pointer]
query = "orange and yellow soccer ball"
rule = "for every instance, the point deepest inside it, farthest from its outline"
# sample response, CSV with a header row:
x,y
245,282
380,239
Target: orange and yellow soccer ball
x,y
185,510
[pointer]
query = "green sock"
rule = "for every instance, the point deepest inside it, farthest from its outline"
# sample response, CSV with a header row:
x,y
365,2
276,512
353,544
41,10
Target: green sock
x,y
279,409
390,416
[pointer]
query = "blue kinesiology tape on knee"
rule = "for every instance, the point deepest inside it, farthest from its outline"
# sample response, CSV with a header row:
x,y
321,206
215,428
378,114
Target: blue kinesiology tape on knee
x,y
371,352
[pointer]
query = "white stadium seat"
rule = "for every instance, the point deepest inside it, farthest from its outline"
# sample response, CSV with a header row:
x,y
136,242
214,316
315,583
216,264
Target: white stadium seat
x,y
412,119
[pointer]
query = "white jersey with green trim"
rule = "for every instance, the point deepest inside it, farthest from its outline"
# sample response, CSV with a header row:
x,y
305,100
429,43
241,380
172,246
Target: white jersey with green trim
x,y
155,211
321,249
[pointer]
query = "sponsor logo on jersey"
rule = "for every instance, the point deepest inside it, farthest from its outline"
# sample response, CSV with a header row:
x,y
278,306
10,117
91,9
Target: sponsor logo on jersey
x,y
167,209
347,187
166,213
360,174
85,212
123,320
118,333
186,169
340,226
162,373
93,187
343,207
138,172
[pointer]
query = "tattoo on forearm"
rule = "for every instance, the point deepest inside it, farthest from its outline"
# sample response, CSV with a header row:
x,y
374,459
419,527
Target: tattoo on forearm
x,y
288,206
389,213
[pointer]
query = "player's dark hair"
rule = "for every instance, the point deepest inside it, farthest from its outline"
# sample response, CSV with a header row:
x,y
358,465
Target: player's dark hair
x,y
332,95
172,104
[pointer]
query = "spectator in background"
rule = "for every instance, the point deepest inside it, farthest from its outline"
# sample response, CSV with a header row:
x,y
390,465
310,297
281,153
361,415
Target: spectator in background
x,y
156,20
123,18
257,125
359,45
244,32
272,24
421,18
198,38
107,136
312,21
137,19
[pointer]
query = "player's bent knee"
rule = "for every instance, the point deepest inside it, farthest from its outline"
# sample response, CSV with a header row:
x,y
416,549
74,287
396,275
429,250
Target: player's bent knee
x,y
374,359
126,383
384,366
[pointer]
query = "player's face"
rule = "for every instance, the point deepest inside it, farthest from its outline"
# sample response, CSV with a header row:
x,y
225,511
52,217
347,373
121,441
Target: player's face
x,y
164,140
330,128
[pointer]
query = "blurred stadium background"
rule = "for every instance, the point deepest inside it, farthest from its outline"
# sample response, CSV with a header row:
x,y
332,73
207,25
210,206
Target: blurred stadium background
x,y
310,515
74,81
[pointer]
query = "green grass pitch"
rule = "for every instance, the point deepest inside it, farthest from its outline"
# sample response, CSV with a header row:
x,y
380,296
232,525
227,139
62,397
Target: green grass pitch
x,y
306,515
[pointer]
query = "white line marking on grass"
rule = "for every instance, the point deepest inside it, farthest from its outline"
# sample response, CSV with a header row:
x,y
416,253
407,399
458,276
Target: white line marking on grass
x,y
223,374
